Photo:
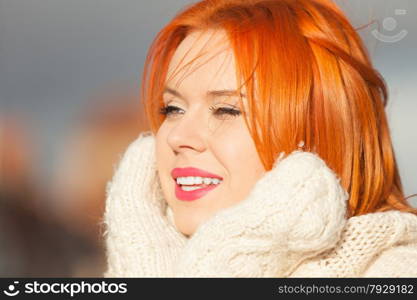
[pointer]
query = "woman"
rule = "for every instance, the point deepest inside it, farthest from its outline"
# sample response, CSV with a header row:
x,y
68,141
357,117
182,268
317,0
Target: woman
x,y
269,153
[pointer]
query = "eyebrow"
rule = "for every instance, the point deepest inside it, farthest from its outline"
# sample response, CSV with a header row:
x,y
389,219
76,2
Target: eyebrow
x,y
213,94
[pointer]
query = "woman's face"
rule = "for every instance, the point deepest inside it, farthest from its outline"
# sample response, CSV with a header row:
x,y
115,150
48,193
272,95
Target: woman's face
x,y
204,130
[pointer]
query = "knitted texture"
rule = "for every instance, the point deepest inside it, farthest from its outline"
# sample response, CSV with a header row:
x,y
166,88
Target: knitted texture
x,y
140,241
295,211
291,224
380,244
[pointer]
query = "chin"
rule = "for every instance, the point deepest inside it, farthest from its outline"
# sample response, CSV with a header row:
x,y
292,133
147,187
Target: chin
x,y
186,225
185,228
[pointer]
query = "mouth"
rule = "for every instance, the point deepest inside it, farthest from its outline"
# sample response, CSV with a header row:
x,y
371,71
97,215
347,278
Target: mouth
x,y
193,192
192,183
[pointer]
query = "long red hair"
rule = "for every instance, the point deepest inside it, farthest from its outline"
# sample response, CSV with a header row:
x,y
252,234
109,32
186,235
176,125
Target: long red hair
x,y
314,83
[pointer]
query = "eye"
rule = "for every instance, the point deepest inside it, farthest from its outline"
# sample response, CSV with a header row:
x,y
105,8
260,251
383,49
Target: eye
x,y
221,111
225,111
169,110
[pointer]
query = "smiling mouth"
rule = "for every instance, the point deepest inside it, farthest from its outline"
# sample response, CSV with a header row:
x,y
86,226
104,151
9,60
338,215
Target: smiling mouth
x,y
193,192
193,187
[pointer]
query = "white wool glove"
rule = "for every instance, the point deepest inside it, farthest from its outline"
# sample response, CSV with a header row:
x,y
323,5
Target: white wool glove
x,y
295,211
140,241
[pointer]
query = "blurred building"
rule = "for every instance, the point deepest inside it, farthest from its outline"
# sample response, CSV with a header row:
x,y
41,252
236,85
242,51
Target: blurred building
x,y
55,230
87,163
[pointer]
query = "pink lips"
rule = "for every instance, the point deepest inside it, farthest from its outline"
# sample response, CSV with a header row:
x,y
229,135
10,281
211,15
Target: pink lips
x,y
196,194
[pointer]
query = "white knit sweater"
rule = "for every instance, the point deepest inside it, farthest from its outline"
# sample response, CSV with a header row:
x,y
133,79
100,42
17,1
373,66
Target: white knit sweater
x,y
292,224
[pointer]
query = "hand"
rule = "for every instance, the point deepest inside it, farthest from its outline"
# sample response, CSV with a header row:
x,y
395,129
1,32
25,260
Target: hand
x,y
295,211
140,241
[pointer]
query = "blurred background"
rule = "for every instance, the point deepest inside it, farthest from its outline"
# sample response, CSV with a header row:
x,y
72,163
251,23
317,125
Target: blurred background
x,y
69,85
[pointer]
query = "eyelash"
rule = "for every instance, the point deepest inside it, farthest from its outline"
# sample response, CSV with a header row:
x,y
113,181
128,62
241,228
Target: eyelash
x,y
167,110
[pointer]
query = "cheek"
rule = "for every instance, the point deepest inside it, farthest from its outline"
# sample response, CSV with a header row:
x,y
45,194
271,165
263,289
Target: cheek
x,y
236,151
162,155
161,145
159,150
164,159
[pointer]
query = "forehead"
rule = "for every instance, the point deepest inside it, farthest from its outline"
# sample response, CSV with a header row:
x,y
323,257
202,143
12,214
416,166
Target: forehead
x,y
204,60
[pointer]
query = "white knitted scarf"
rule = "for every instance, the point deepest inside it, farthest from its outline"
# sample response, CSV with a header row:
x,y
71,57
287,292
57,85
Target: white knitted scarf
x,y
294,213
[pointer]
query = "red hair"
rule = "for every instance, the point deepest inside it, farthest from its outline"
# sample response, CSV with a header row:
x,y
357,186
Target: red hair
x,y
314,83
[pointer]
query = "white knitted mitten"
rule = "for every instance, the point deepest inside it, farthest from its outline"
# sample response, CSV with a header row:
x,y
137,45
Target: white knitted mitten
x,y
140,240
295,211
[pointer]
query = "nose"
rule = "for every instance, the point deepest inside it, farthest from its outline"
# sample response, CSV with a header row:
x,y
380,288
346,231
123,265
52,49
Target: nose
x,y
189,133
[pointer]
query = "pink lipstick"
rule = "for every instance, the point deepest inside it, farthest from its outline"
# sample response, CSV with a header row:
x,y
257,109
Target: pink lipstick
x,y
195,194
